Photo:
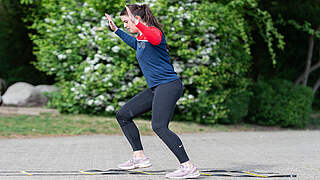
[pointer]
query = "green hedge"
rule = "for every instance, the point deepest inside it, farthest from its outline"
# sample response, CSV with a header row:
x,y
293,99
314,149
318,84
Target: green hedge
x,y
238,104
97,72
277,102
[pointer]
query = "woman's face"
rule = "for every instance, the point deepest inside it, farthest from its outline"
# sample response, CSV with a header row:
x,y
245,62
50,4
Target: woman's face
x,y
129,24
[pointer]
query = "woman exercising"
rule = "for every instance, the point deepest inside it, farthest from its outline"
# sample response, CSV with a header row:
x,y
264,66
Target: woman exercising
x,y
165,88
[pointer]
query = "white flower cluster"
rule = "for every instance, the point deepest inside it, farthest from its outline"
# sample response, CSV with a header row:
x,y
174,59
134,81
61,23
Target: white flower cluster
x,y
90,99
88,30
48,20
184,12
151,3
185,98
60,56
109,108
178,66
115,49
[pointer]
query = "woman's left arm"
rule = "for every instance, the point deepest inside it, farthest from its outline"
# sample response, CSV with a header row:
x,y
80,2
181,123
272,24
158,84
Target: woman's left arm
x,y
152,34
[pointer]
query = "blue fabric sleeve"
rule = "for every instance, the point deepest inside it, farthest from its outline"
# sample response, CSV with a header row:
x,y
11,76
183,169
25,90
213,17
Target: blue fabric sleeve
x,y
131,41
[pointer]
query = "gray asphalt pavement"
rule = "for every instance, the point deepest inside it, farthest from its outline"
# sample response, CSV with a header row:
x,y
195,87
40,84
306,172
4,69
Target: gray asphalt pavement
x,y
284,152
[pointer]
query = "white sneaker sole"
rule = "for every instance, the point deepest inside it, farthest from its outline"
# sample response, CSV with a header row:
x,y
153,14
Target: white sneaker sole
x,y
194,175
145,165
189,176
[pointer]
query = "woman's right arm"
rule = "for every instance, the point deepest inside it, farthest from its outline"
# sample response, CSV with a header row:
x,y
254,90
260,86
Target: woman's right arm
x,y
131,41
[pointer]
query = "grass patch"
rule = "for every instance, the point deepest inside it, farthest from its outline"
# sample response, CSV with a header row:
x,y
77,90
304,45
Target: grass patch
x,y
62,125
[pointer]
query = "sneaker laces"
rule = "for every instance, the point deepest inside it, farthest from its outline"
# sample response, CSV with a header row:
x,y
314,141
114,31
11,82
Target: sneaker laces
x,y
182,168
131,160
134,159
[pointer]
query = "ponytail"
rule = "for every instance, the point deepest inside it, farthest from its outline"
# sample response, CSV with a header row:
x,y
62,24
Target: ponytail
x,y
150,19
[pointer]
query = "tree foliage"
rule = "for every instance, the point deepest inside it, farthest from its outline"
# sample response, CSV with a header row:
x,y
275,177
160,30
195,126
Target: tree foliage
x,y
16,47
298,21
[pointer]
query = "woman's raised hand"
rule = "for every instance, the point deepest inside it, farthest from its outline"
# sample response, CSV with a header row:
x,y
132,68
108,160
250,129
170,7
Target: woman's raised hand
x,y
111,23
131,16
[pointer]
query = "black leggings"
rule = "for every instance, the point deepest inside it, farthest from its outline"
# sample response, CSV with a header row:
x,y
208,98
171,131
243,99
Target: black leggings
x,y
161,100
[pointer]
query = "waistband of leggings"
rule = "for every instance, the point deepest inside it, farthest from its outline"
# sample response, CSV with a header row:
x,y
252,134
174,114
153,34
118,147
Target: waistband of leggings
x,y
154,87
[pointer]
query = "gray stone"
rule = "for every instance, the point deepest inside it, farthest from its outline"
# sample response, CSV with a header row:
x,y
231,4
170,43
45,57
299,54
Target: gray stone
x,y
46,88
23,94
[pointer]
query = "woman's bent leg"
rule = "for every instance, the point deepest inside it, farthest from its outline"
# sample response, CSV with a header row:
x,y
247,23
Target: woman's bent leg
x,y
164,101
139,104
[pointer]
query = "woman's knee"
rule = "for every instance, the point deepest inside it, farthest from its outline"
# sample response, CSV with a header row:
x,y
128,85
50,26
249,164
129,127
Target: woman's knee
x,y
123,117
159,129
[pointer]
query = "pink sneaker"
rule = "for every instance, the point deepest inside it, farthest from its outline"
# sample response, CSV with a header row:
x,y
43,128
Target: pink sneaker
x,y
134,163
184,172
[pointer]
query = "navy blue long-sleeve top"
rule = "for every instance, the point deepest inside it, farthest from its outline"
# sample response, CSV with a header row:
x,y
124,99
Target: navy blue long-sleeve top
x,y
152,54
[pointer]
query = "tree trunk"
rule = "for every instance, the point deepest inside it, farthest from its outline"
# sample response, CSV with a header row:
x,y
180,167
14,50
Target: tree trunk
x,y
308,69
309,58
312,68
316,86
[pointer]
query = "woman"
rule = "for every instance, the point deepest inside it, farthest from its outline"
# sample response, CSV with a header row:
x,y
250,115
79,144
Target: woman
x,y
165,88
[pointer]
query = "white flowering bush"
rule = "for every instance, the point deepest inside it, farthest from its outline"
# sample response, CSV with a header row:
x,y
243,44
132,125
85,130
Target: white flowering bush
x,y
210,48
97,73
